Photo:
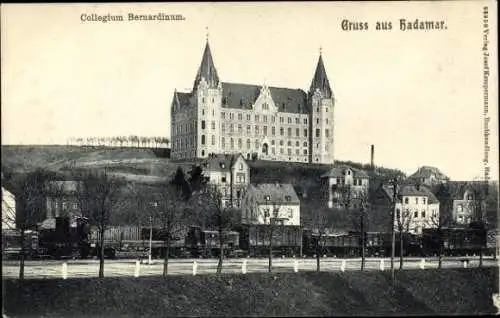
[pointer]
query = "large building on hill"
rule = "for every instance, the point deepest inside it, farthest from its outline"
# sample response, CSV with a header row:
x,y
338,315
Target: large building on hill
x,y
258,121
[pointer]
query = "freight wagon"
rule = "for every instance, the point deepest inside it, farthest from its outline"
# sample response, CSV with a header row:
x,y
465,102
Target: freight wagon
x,y
455,241
12,245
286,240
135,241
206,243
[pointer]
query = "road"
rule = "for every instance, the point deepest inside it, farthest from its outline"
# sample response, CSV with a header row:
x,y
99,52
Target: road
x,y
117,268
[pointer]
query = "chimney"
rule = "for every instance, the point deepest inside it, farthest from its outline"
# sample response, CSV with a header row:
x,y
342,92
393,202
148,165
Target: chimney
x,y
372,157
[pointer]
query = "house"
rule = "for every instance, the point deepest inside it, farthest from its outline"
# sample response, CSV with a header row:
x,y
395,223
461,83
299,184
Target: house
x,y
230,173
357,181
416,207
259,121
428,176
61,201
268,202
461,200
8,210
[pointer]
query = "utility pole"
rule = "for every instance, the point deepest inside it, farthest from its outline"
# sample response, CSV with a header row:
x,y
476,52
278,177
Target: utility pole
x,y
393,232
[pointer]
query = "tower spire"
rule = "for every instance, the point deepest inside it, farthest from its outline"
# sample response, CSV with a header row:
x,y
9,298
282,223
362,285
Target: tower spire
x,y
320,79
207,68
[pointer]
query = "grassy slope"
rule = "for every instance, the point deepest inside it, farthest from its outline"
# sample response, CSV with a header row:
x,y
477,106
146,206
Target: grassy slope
x,y
417,292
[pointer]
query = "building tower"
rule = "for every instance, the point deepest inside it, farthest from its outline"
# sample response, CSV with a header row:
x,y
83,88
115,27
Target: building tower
x,y
321,102
207,91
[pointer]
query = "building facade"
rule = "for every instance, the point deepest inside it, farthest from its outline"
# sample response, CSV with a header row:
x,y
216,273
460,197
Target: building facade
x,y
8,210
231,175
61,202
416,207
266,202
258,121
354,180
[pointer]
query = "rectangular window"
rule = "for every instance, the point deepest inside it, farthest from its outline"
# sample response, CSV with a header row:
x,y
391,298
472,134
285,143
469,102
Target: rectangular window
x,y
202,124
257,118
289,143
223,115
231,128
273,130
282,120
423,214
240,129
240,116
249,129
305,132
223,142
248,117
213,125
213,140
415,214
297,152
265,119
239,143
231,116
327,134
424,200
273,119
223,128
265,130
282,131
305,152
272,142
256,129
232,143
281,151
289,132
317,132
281,142
297,132
305,121
297,121
289,120
416,200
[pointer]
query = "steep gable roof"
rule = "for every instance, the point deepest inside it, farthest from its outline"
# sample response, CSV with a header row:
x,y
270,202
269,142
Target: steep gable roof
x,y
410,190
271,193
220,162
207,70
243,96
183,99
320,80
339,171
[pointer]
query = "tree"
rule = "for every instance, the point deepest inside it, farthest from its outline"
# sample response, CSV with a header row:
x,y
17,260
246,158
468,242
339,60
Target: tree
x,y
443,219
360,201
99,196
270,215
30,191
403,223
320,224
217,214
478,206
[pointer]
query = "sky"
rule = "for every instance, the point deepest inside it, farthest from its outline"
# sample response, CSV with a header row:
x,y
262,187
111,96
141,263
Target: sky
x,y
416,95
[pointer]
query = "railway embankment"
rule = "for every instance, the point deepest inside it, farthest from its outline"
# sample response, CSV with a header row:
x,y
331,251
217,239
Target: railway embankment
x,y
415,292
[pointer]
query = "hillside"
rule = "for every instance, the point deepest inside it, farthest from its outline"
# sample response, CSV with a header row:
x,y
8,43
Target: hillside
x,y
142,165
416,292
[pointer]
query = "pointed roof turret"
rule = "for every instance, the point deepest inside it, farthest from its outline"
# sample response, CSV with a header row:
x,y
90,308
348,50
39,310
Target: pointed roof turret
x,y
207,70
320,80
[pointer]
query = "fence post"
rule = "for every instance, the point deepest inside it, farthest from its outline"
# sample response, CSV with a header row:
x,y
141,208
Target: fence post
x,y
64,270
244,267
195,267
342,267
382,265
137,268
295,266
422,263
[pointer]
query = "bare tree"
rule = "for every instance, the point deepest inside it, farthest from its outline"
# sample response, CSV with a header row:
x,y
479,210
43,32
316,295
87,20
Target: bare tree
x,y
403,223
320,223
30,192
478,207
442,220
360,205
271,215
218,214
173,203
98,195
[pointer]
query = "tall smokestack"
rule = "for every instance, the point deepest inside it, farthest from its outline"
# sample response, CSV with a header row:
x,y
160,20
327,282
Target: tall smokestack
x,y
372,157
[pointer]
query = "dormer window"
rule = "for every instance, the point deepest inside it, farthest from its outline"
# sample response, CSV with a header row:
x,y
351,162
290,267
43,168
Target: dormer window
x,y
267,198
223,179
288,198
223,165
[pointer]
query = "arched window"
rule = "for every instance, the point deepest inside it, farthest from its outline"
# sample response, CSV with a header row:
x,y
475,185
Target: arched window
x,y
202,139
265,149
